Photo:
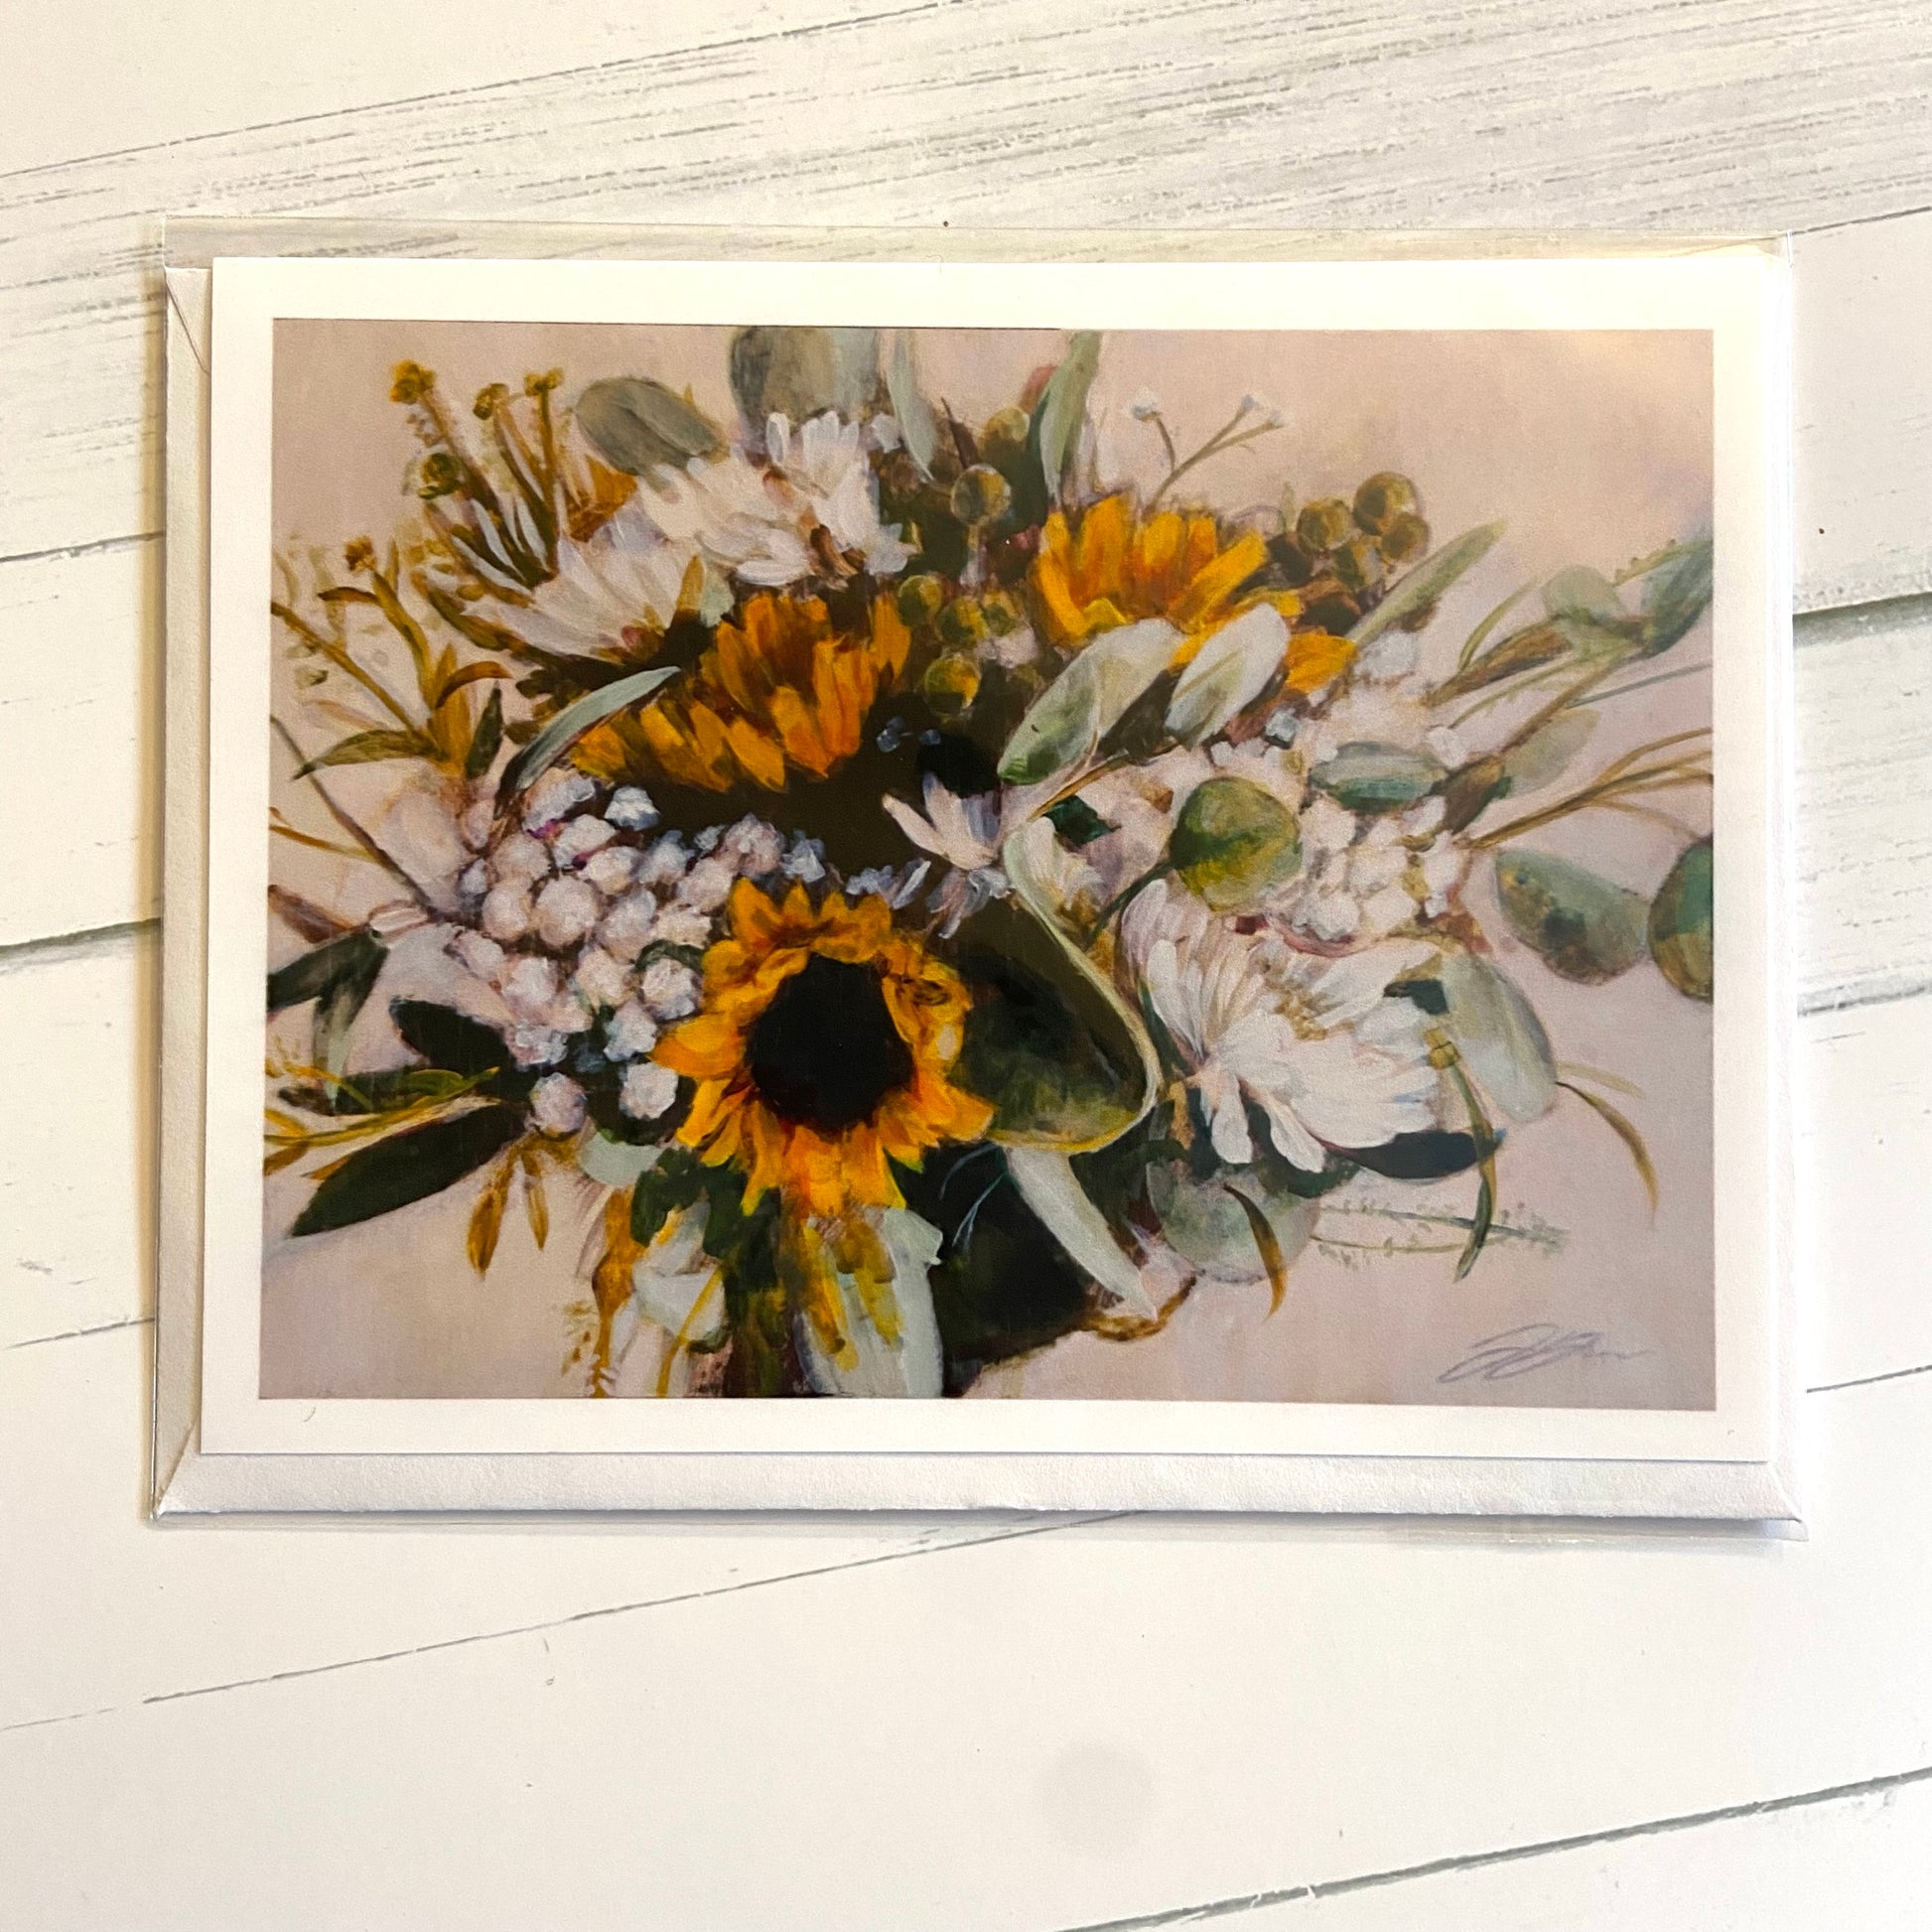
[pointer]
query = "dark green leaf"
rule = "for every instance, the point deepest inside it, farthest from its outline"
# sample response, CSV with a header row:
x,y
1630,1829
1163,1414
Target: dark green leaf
x,y
314,974
407,1166
1431,1155
676,1181
1077,822
449,1040
1680,924
369,748
636,425
487,738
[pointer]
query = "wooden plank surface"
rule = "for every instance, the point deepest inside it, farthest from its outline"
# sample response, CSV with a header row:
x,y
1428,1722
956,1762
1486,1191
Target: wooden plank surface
x,y
989,1724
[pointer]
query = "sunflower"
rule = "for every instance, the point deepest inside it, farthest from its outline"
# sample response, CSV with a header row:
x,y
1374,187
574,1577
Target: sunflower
x,y
1119,568
822,1050
782,689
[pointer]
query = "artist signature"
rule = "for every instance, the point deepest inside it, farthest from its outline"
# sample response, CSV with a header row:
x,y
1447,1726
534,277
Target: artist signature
x,y
1520,1352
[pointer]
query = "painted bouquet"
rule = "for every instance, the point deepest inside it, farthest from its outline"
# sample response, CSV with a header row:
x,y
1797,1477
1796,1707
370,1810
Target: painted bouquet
x,y
908,902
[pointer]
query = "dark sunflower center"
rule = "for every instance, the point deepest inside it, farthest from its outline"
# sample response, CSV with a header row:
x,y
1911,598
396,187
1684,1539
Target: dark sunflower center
x,y
825,1052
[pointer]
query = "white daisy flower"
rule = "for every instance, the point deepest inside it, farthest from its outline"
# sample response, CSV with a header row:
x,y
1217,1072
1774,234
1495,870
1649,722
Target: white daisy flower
x,y
758,522
967,833
647,1090
557,1105
1314,1044
626,576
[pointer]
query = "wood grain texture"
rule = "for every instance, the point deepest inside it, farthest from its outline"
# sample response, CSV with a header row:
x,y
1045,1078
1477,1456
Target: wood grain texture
x,y
732,1725
1061,1729
1717,114
1850,1857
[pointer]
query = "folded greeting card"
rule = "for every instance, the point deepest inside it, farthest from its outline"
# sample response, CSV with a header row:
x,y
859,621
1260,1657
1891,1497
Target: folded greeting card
x,y
986,882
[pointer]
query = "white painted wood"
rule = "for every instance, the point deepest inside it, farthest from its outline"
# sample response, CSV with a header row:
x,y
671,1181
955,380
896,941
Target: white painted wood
x,y
1709,115
1862,412
201,69
1862,1861
80,688
1054,1730
1080,1724
1863,688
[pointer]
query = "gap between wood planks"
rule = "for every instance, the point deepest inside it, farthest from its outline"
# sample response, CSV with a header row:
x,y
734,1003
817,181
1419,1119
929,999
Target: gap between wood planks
x,y
935,1540
1688,1820
735,43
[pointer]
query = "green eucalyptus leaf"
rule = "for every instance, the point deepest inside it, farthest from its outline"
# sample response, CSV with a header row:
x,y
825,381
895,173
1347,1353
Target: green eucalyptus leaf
x,y
1208,1227
1378,778
1233,842
1580,592
1062,407
800,373
1228,673
408,1167
1417,589
919,427
1067,721
1675,596
1547,753
570,724
637,425
1498,1035
1583,927
1679,929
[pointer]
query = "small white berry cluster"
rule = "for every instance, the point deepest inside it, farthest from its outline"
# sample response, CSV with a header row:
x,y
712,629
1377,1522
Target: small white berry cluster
x,y
583,919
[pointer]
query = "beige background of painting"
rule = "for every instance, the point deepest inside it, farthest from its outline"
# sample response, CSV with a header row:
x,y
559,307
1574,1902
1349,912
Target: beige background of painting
x,y
1594,447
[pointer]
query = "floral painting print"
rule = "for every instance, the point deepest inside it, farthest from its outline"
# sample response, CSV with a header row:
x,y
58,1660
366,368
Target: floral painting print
x,y
853,861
